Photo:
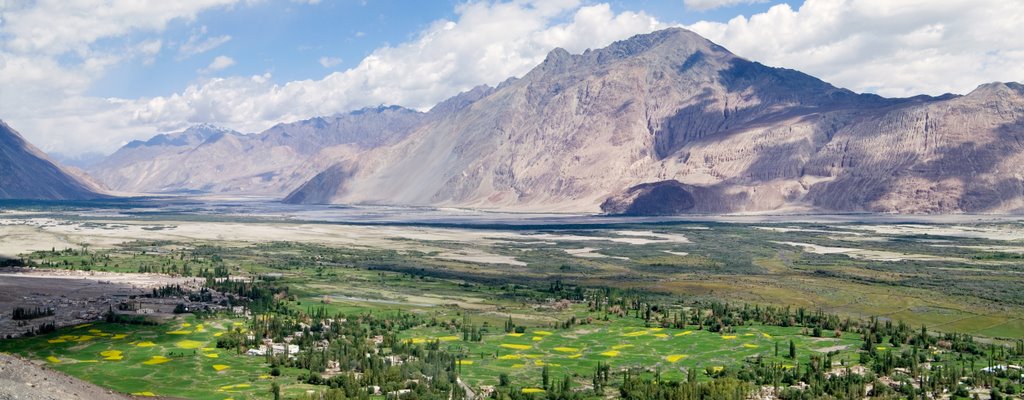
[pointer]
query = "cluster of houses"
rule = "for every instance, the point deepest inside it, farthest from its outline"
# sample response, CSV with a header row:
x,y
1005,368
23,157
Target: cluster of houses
x,y
269,347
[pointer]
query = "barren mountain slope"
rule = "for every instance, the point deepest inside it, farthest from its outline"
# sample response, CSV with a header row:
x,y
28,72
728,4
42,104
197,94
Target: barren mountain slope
x,y
669,122
956,154
27,173
660,123
666,106
215,160
964,154
159,164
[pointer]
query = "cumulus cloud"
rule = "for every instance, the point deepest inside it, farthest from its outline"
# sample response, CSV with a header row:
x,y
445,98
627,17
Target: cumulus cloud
x,y
893,48
48,62
704,5
329,62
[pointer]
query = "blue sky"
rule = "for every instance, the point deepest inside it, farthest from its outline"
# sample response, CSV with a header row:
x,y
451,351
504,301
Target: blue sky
x,y
288,39
87,76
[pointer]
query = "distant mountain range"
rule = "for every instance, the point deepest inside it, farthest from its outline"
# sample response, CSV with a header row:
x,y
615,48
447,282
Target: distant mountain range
x,y
209,159
661,123
27,173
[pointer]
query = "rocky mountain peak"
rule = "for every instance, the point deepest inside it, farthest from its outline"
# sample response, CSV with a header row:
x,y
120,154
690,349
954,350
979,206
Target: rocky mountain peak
x,y
665,40
558,56
673,44
191,136
381,109
670,46
206,128
998,89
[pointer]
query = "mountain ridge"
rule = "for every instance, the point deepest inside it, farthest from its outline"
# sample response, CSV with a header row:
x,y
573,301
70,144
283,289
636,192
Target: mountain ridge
x,y
667,112
26,173
742,136
206,158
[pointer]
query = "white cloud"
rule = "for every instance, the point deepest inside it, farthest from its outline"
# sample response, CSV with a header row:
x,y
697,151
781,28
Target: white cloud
x,y
893,48
48,61
329,62
59,26
198,43
218,63
704,5
310,2
149,49
487,43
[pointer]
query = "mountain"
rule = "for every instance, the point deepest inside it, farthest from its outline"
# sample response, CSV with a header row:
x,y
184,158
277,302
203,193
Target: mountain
x,y
661,123
27,173
669,122
210,159
168,162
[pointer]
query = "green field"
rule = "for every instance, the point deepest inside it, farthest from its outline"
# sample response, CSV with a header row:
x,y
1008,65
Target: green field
x,y
954,284
625,343
948,284
178,359
181,359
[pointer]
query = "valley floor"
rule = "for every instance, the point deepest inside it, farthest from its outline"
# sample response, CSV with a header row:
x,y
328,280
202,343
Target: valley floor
x,y
964,277
950,277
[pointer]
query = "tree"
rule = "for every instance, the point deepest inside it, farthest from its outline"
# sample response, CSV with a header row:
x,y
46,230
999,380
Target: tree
x,y
792,350
275,390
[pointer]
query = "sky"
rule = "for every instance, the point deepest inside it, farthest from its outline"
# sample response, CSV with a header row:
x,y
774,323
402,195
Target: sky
x,y
83,77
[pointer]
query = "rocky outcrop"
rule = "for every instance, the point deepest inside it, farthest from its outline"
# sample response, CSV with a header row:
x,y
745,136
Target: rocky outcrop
x,y
27,173
657,198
